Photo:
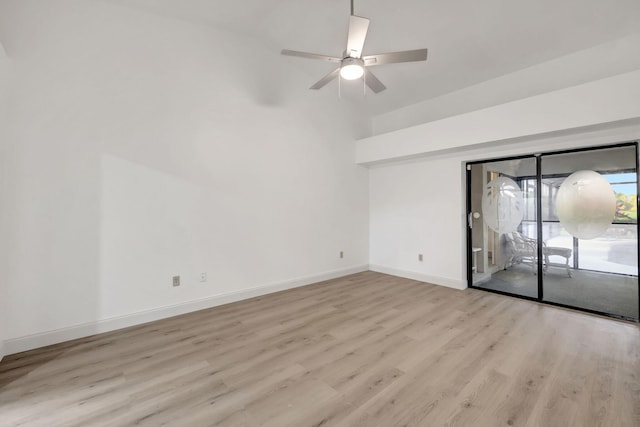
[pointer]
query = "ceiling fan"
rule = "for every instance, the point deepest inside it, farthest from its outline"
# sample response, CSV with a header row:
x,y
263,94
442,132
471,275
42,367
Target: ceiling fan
x,y
352,64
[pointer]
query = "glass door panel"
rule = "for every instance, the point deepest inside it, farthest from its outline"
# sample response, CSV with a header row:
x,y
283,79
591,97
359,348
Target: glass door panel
x,y
502,226
589,230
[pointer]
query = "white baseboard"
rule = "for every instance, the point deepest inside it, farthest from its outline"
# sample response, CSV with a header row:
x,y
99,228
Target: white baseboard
x,y
29,342
1,350
442,281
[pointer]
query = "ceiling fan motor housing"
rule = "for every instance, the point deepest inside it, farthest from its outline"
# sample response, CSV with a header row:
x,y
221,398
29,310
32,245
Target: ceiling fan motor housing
x,y
352,61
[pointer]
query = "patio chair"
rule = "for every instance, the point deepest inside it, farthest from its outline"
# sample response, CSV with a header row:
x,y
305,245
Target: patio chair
x,y
523,249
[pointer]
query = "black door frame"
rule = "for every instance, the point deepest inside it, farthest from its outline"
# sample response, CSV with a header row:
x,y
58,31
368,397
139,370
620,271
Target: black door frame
x,y
537,156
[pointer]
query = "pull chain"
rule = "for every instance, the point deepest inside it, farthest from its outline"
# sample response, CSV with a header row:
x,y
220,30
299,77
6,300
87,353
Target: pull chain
x,y
364,84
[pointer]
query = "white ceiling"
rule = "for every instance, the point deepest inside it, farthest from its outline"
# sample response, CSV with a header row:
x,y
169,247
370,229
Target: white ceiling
x,y
469,41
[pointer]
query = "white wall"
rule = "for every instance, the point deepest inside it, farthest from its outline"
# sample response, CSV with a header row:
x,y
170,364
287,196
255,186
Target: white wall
x,y
414,209
4,86
144,148
418,206
590,104
604,60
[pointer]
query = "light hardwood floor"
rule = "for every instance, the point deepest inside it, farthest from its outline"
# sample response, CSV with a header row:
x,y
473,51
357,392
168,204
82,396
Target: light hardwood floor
x,y
364,350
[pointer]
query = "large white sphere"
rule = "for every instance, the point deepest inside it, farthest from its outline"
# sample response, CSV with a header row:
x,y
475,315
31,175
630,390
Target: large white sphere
x,y
585,204
502,205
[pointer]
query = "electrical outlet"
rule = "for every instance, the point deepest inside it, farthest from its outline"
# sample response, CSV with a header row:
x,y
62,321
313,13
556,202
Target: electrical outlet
x,y
203,277
341,254
176,281
420,257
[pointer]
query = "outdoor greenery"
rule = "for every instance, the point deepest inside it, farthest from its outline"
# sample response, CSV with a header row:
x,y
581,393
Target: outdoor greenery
x,y
626,207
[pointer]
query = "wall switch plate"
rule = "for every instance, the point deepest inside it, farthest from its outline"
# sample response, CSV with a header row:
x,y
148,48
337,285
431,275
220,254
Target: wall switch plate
x,y
420,257
176,281
203,277
341,254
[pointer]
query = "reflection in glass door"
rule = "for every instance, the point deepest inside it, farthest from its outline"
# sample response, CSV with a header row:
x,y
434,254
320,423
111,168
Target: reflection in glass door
x,y
558,227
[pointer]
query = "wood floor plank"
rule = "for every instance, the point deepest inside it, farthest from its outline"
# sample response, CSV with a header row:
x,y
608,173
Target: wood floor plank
x,y
363,350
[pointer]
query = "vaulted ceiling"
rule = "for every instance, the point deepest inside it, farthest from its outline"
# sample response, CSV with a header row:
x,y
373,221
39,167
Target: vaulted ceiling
x,y
469,41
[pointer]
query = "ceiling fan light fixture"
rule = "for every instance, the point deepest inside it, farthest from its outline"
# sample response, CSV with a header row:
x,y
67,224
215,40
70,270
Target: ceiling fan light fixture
x,y
352,68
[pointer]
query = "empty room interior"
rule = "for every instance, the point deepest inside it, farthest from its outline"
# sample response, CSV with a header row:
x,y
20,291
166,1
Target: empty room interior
x,y
319,213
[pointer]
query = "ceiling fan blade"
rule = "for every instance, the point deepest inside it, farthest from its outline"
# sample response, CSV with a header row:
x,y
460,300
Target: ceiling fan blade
x,y
372,81
358,27
326,79
310,55
395,57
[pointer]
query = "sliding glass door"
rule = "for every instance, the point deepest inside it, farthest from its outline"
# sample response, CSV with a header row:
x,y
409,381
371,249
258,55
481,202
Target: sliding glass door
x,y
502,227
557,227
590,230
